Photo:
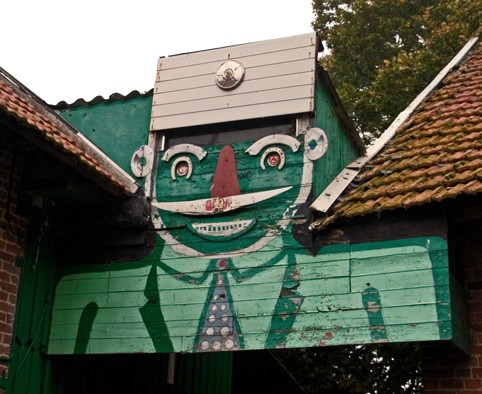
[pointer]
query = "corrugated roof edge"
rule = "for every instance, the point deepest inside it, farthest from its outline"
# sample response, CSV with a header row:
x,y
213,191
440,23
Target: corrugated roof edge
x,y
80,102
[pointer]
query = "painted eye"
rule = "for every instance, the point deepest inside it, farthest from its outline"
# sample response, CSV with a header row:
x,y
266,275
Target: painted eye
x,y
274,157
181,167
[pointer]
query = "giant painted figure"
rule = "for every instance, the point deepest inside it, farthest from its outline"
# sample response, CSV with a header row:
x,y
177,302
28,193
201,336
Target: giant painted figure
x,y
228,274
235,228
231,269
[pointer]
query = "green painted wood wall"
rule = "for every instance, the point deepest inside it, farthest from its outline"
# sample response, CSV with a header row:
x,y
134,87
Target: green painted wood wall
x,y
256,289
393,291
118,128
341,150
29,371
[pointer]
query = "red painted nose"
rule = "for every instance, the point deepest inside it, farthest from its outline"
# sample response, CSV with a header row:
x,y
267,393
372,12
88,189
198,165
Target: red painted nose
x,y
225,180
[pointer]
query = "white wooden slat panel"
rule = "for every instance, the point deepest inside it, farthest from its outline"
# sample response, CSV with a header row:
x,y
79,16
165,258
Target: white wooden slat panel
x,y
240,113
237,51
258,60
239,100
209,92
279,79
291,68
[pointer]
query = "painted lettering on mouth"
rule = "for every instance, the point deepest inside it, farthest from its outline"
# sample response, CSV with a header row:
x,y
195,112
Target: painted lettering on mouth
x,y
222,231
217,204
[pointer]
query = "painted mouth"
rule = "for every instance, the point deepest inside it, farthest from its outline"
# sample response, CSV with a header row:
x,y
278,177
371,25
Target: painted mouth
x,y
222,231
216,205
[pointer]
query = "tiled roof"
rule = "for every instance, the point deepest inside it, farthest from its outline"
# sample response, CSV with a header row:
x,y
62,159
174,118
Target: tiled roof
x,y
45,125
435,155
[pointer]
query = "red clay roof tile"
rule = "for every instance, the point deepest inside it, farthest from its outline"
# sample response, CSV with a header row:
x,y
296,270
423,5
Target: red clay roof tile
x,y
435,155
18,104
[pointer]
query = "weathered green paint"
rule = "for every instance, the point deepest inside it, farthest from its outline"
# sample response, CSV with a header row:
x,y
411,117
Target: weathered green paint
x,y
328,301
29,369
118,128
373,307
32,371
217,289
266,215
286,308
341,150
85,327
152,314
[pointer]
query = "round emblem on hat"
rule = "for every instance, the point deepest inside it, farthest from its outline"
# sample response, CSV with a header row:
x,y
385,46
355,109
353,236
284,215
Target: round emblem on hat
x,y
229,75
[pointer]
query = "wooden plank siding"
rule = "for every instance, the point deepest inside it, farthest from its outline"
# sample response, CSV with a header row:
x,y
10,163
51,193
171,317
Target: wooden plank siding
x,y
279,80
118,127
341,151
409,276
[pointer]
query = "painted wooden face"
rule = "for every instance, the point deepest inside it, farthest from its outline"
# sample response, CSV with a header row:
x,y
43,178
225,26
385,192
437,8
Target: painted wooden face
x,y
232,198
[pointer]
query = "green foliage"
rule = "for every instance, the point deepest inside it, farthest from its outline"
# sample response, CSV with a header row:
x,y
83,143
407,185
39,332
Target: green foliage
x,y
391,368
383,53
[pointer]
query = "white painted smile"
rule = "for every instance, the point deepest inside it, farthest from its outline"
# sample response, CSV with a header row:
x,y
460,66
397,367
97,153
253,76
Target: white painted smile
x,y
217,205
229,230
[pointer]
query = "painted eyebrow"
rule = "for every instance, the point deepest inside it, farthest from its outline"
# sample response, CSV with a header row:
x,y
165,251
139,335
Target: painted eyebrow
x,y
196,150
256,147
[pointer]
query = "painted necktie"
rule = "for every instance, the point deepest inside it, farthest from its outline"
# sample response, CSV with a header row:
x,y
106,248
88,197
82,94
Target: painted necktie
x,y
218,329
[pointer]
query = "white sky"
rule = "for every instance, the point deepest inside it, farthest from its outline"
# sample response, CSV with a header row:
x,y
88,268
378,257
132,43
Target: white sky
x,y
65,50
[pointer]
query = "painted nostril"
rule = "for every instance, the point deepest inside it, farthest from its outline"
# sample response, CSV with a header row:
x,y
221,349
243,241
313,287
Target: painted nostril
x,y
225,180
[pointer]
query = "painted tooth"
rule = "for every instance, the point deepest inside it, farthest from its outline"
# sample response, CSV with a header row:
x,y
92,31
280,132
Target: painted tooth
x,y
222,228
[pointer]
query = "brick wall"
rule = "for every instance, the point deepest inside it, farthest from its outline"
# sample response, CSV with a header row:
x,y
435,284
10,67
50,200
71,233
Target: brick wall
x,y
445,369
12,234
